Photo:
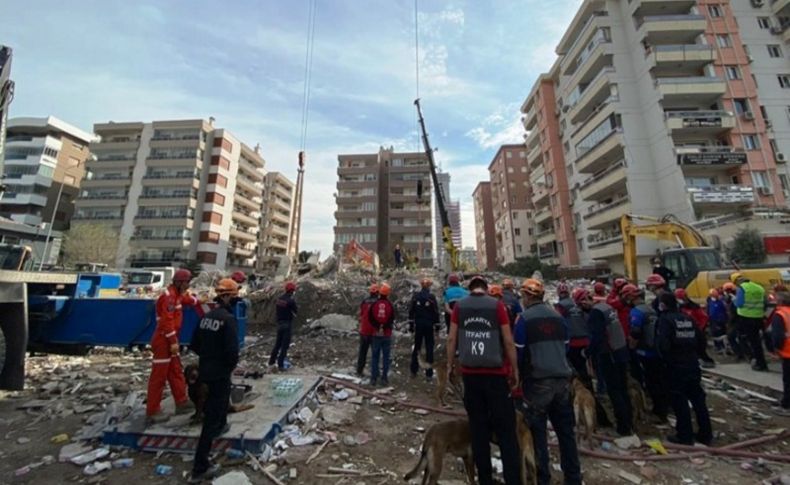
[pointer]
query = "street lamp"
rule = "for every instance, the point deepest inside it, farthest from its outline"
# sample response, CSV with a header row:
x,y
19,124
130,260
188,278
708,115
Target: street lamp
x,y
52,219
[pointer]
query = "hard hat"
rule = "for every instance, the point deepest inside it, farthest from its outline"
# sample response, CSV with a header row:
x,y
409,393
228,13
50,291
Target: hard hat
x,y
290,286
182,275
426,282
729,287
580,295
680,294
655,280
780,288
532,287
478,281
599,288
227,286
239,277
714,293
384,289
453,278
619,283
630,291
374,288
507,283
495,291
735,277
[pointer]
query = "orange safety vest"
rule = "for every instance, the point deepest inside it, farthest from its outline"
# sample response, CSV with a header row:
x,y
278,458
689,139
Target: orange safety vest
x,y
784,312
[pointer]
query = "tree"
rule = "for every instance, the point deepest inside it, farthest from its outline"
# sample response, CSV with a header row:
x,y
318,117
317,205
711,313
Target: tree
x,y
193,265
528,265
747,247
90,243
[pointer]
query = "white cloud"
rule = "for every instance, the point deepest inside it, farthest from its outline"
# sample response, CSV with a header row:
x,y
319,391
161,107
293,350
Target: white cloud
x,y
500,127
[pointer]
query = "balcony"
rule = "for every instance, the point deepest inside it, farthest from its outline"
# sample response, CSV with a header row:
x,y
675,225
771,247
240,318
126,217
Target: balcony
x,y
24,199
703,123
671,29
371,169
545,237
605,244
278,230
722,196
248,184
532,140
256,173
348,185
249,202
602,215
244,218
540,193
591,96
680,58
98,182
663,7
277,215
781,8
603,184
696,90
543,215
534,157
240,232
603,154
115,144
97,217
705,159
181,142
591,63
531,118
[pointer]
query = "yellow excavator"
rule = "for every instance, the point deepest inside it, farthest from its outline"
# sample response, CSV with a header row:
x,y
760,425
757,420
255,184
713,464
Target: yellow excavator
x,y
697,266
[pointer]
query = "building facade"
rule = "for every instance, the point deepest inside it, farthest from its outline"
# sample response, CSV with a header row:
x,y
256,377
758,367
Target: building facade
x,y
657,112
383,200
485,235
510,202
44,158
278,201
175,190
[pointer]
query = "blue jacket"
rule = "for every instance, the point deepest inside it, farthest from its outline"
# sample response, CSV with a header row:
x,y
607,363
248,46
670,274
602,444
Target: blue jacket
x,y
286,308
637,321
717,310
454,293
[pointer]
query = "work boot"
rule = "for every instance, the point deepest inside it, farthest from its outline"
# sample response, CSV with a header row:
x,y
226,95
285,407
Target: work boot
x,y
705,440
157,418
673,438
372,383
385,381
212,472
760,368
707,364
185,407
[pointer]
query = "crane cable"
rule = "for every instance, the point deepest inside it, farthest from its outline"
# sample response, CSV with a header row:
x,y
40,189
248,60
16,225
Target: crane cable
x,y
417,63
308,68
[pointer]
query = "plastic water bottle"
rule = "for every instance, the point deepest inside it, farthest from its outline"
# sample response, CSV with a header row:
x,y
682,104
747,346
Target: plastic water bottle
x,y
163,470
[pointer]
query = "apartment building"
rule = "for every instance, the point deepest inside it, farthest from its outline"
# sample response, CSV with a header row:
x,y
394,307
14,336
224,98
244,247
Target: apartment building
x,y
384,199
510,202
6,94
485,234
44,158
454,214
657,113
175,190
278,200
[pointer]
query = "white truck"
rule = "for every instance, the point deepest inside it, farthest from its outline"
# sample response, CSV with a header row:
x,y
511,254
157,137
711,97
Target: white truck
x,y
149,279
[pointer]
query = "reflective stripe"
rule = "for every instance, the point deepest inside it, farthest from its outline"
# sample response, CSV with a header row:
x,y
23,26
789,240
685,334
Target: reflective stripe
x,y
161,361
171,334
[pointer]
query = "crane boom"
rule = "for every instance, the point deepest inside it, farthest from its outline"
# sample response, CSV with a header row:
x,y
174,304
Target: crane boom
x,y
447,230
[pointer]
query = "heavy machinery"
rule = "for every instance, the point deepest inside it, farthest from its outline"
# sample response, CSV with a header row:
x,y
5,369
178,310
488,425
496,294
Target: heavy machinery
x,y
447,231
697,266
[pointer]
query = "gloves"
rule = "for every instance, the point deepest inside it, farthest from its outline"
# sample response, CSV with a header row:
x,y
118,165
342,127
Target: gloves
x,y
174,349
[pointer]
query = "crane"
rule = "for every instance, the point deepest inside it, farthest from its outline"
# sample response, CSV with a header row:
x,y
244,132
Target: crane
x,y
447,230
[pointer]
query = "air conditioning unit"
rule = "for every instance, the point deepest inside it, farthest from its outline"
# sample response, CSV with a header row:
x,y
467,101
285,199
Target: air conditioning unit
x,y
769,124
777,30
757,3
748,115
780,158
765,190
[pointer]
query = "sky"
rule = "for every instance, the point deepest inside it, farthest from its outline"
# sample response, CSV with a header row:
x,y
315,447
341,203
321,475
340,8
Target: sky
x,y
243,63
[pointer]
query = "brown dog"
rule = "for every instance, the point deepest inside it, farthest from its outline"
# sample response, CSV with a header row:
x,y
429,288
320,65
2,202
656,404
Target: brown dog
x,y
638,402
583,410
198,392
443,379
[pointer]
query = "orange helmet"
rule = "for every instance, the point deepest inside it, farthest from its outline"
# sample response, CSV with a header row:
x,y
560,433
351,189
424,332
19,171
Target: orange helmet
x,y
227,286
495,291
507,283
630,291
426,283
714,293
374,288
656,280
532,287
599,288
729,287
384,289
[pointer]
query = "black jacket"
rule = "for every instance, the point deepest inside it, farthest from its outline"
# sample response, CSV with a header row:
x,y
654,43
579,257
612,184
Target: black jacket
x,y
424,309
679,340
286,308
217,344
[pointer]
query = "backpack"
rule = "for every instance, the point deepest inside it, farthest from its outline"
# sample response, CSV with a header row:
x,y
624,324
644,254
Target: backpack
x,y
381,313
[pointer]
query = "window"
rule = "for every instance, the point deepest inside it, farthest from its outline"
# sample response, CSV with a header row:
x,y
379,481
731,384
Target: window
x,y
774,50
723,40
216,198
212,217
509,169
760,179
73,162
751,142
732,72
207,257
515,214
764,22
784,80
519,248
785,184
524,169
522,154
209,236
580,244
508,154
223,162
741,105
225,144
215,178
69,180
517,231
714,10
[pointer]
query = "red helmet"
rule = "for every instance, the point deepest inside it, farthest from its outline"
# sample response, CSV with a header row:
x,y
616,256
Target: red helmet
x,y
563,289
182,275
453,279
384,289
580,294
655,280
374,289
599,288
680,294
619,283
780,288
290,286
495,291
630,291
729,287
239,277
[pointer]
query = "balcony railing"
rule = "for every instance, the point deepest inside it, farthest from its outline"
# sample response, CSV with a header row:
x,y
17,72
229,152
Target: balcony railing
x,y
722,194
162,137
177,175
155,215
154,237
668,18
102,217
178,195
603,238
104,196
605,207
710,156
117,158
601,175
171,156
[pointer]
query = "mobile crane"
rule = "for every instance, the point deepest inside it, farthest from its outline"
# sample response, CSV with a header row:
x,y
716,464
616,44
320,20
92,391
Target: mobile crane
x,y
447,230
697,266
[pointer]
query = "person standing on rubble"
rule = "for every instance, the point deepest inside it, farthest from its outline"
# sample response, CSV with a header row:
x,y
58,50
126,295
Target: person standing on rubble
x,y
693,310
452,294
661,270
657,285
780,333
397,254
679,344
750,309
216,342
423,319
285,311
480,330
511,300
366,330
382,318
166,364
599,291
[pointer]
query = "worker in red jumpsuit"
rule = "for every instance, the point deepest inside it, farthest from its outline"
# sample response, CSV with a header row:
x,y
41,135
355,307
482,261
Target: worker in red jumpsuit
x,y
166,366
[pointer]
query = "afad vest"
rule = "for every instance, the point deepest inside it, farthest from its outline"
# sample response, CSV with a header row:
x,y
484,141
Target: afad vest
x,y
614,331
648,339
479,335
577,324
784,312
753,300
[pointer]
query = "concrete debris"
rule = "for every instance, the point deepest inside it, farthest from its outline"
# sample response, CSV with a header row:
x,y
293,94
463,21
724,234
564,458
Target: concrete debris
x,y
334,322
629,477
90,456
232,478
96,468
628,442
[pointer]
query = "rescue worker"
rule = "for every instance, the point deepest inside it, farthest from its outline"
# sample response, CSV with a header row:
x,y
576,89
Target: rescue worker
x,y
578,334
480,330
511,300
615,300
216,342
423,319
679,343
166,365
609,347
750,309
366,330
717,317
642,340
382,317
452,294
729,290
780,333
599,291
661,270
285,310
540,337
656,284
771,303
693,310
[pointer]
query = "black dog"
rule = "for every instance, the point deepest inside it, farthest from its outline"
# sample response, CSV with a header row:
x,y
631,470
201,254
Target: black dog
x,y
198,393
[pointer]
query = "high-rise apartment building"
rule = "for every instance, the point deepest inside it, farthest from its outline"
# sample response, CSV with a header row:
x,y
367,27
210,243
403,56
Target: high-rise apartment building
x,y
44,158
510,201
485,235
657,113
175,190
278,202
453,213
384,199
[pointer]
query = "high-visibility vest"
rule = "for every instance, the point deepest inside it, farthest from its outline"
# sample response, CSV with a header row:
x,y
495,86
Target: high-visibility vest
x,y
753,300
784,312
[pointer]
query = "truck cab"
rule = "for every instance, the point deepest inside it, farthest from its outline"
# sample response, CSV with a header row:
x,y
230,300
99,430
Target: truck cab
x,y
687,263
147,279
